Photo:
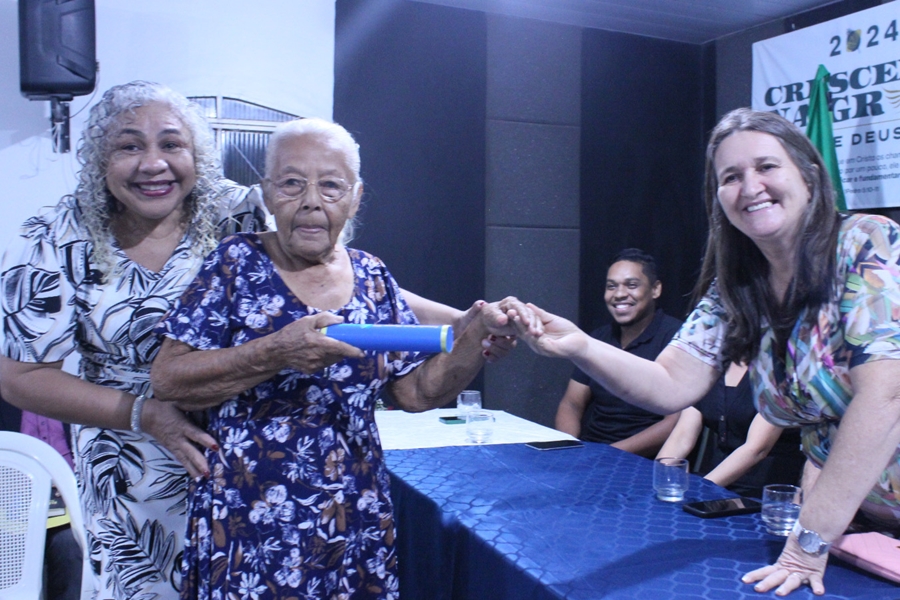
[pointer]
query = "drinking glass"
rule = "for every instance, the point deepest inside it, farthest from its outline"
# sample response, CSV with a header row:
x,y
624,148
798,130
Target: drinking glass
x,y
479,426
781,508
466,401
670,478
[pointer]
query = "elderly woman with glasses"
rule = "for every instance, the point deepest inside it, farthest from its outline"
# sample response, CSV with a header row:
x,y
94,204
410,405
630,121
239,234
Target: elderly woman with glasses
x,y
297,503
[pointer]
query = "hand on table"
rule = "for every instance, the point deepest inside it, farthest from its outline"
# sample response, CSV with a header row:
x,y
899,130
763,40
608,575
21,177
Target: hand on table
x,y
793,569
172,428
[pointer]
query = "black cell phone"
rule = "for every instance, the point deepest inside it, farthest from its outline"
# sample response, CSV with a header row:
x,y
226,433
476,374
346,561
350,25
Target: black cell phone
x,y
555,445
452,420
710,509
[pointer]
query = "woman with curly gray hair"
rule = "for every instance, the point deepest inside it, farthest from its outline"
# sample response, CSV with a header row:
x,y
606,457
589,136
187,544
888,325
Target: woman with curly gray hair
x,y
95,274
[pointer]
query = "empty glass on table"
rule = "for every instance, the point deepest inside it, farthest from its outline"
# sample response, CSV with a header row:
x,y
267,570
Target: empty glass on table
x,y
468,400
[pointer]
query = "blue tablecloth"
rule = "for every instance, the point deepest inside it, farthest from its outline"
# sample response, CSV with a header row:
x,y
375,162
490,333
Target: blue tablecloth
x,y
510,522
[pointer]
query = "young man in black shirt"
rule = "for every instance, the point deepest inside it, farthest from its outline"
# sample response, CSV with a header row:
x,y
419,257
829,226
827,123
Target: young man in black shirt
x,y
587,410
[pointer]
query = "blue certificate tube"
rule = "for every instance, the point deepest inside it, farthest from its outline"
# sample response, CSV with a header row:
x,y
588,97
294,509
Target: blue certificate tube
x,y
393,338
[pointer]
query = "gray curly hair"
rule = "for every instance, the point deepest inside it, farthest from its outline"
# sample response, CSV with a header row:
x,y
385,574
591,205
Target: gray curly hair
x,y
98,205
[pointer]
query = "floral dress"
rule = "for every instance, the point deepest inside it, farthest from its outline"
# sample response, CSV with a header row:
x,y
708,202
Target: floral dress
x,y
297,504
861,323
133,491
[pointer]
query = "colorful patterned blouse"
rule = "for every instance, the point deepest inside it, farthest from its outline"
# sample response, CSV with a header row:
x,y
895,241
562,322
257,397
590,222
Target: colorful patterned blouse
x,y
859,324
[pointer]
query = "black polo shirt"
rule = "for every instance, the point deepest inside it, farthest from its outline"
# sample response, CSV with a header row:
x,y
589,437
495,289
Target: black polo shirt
x,y
608,419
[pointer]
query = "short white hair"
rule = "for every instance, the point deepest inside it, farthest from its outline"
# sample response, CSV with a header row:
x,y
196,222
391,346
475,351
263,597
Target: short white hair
x,y
333,135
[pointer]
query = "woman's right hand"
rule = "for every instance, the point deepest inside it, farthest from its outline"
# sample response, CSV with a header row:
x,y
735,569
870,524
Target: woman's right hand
x,y
794,569
173,429
305,349
547,334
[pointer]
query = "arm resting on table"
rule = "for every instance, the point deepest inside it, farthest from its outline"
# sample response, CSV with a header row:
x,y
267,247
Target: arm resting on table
x,y
866,440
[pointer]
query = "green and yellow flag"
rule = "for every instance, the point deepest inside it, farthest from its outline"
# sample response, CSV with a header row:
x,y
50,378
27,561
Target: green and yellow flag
x,y
819,132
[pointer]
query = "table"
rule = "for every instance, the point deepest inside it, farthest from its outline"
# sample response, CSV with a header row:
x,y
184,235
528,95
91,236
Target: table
x,y
509,522
401,430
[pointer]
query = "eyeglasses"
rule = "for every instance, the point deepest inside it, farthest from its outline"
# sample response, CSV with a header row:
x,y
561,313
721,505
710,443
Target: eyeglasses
x,y
331,189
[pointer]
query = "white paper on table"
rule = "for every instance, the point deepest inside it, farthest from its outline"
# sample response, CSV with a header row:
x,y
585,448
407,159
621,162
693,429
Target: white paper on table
x,y
401,430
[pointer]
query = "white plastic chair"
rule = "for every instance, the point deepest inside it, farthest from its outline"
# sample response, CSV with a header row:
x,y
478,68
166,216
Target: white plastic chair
x,y
27,468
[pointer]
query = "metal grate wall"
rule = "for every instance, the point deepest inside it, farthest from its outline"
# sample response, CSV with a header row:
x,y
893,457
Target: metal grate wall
x,y
242,133
243,155
233,108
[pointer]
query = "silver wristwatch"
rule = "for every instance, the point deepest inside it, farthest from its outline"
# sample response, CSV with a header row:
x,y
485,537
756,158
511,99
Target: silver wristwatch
x,y
810,541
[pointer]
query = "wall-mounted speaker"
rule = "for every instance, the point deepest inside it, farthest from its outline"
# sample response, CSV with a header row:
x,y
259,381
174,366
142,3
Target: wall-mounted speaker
x,y
57,48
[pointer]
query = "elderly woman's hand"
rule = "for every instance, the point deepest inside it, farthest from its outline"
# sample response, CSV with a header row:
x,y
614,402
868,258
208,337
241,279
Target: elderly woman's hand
x,y
307,350
199,379
172,428
793,569
499,317
495,346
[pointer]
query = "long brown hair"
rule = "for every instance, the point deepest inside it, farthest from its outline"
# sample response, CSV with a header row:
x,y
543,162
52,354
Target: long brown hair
x,y
739,268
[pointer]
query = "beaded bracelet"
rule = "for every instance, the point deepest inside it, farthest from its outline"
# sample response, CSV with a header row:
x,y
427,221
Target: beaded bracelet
x,y
136,409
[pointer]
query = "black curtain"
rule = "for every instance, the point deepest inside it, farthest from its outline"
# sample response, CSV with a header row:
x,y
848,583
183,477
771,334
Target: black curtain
x,y
410,86
644,110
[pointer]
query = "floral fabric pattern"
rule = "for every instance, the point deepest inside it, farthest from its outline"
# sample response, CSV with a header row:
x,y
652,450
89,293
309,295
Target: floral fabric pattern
x,y
297,504
859,324
133,491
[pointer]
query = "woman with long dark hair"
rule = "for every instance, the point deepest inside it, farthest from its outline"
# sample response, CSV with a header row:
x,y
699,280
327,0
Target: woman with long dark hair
x,y
810,300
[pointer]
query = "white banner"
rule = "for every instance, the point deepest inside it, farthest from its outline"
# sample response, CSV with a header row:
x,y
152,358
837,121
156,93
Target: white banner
x,y
862,53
